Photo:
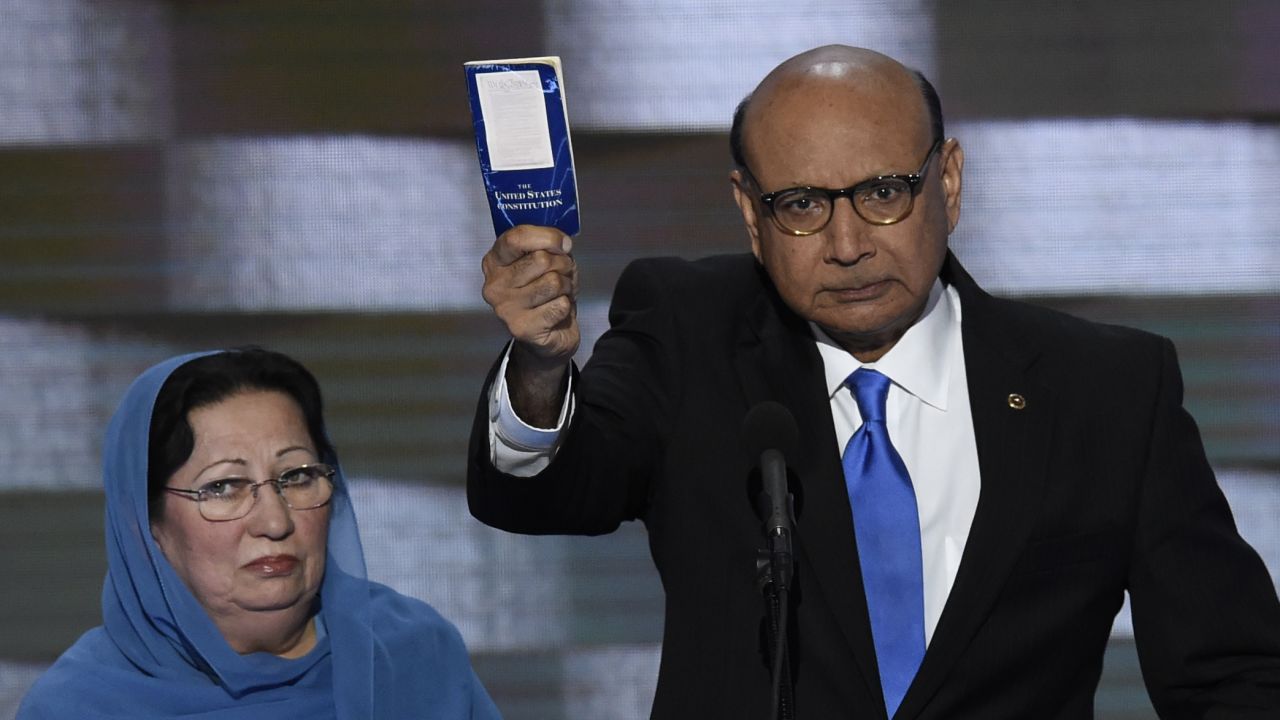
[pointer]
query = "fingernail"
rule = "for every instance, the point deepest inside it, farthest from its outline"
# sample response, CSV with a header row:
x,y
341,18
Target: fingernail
x,y
566,244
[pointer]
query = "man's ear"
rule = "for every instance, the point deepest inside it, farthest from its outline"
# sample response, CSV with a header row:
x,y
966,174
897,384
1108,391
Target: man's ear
x,y
952,180
745,197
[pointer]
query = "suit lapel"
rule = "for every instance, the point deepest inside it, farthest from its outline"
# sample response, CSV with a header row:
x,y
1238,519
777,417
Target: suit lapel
x,y
1013,446
777,360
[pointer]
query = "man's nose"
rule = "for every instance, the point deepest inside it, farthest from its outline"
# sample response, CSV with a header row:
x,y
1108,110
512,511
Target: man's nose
x,y
848,235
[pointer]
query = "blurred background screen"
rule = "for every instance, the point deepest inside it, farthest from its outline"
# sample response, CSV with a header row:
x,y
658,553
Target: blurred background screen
x,y
188,175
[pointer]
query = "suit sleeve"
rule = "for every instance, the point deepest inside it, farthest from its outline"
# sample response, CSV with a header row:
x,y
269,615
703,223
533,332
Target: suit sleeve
x,y
1206,619
602,472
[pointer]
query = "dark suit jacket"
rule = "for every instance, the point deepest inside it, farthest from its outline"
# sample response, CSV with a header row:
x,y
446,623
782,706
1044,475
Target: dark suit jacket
x,y
1098,485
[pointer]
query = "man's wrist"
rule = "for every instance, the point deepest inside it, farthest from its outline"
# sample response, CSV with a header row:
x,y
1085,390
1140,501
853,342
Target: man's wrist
x,y
536,386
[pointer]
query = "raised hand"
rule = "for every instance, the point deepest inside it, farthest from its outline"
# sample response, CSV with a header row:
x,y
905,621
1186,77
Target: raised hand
x,y
531,282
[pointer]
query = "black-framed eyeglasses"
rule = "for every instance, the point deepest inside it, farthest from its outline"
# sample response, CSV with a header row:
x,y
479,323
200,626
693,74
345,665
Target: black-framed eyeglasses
x,y
305,487
882,200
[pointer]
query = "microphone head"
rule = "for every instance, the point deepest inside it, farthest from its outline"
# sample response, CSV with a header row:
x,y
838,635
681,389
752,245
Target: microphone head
x,y
770,425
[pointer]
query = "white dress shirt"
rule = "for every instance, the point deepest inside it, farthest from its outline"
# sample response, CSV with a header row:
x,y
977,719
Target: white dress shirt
x,y
928,418
927,415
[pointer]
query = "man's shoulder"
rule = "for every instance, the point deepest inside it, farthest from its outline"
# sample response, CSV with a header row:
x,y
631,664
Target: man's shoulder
x,y
1067,343
716,279
1055,326
726,268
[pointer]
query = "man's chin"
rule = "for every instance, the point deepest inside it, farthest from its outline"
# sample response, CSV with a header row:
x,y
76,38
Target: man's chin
x,y
863,342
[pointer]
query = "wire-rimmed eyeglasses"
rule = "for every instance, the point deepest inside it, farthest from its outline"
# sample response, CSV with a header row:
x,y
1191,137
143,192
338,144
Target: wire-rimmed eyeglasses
x,y
305,487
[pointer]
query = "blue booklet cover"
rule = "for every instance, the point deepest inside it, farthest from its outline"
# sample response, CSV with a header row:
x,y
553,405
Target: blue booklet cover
x,y
522,138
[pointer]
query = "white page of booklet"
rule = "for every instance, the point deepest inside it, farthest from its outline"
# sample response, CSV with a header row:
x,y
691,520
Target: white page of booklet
x,y
515,120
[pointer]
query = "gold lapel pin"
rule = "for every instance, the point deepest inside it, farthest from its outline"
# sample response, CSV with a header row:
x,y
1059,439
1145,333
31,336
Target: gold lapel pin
x,y
1017,402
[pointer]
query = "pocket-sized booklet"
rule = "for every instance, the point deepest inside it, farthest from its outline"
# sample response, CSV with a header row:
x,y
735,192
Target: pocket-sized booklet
x,y
522,138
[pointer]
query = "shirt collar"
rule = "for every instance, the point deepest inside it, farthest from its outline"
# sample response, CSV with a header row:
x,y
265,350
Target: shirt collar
x,y
918,362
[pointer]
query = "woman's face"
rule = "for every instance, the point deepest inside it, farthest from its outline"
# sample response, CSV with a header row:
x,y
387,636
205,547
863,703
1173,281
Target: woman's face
x,y
257,573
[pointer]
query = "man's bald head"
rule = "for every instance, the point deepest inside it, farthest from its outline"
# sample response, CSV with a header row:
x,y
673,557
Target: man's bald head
x,y
820,135
856,66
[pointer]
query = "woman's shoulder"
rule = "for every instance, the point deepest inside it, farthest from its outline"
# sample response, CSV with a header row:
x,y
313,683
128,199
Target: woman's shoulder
x,y
399,618
93,656
418,648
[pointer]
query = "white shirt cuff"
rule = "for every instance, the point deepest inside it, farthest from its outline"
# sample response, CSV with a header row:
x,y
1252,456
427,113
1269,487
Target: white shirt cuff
x,y
516,447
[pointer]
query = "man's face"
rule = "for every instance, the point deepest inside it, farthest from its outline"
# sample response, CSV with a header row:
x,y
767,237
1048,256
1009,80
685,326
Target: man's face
x,y
864,284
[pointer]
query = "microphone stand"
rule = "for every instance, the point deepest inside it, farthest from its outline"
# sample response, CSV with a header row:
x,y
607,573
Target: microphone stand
x,y
776,603
774,569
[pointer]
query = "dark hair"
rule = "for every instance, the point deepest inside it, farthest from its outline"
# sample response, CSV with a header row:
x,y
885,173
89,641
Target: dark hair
x,y
209,380
932,104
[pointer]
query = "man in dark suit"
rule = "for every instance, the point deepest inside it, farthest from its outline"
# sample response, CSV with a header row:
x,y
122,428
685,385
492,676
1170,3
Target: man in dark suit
x,y
1048,463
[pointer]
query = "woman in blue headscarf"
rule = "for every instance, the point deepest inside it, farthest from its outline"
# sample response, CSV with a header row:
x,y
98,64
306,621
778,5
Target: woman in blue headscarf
x,y
236,583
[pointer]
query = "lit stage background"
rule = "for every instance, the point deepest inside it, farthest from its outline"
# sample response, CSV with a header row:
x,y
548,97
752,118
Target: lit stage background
x,y
185,175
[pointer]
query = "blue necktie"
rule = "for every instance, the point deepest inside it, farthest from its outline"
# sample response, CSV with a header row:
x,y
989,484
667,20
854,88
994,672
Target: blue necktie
x,y
887,527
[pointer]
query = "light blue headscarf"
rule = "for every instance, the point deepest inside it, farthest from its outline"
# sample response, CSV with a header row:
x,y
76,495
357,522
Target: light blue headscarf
x,y
159,655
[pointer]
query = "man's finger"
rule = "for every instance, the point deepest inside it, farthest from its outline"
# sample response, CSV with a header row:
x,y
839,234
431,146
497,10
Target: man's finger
x,y
524,239
531,268
548,287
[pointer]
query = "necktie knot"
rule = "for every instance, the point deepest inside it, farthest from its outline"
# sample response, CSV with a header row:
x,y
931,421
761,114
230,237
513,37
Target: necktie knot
x,y
870,391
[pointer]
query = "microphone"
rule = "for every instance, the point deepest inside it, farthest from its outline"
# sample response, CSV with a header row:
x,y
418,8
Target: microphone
x,y
771,435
